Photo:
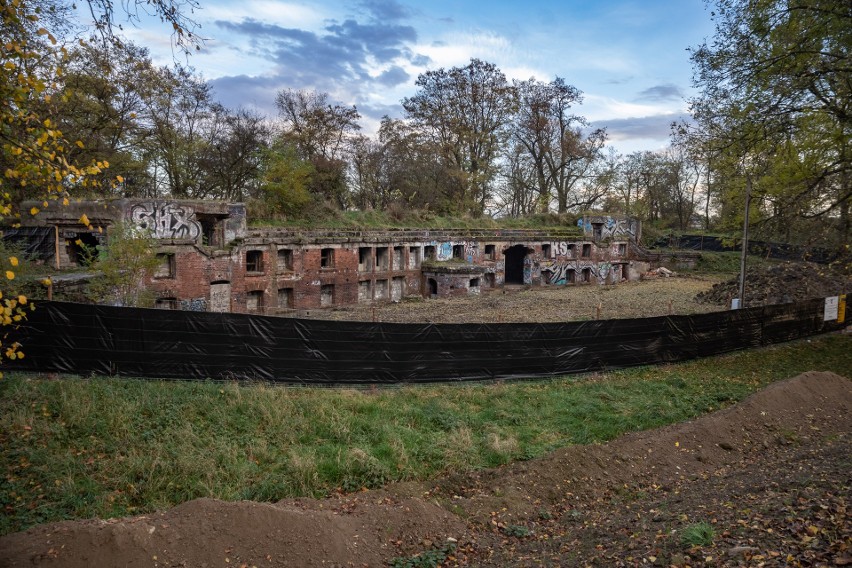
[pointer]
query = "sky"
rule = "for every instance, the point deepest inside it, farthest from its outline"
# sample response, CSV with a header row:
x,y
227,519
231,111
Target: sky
x,y
628,57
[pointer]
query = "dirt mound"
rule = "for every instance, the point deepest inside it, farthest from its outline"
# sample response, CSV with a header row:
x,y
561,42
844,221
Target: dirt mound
x,y
781,284
602,502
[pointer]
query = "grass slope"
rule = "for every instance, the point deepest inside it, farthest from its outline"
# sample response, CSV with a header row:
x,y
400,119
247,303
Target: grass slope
x,y
101,447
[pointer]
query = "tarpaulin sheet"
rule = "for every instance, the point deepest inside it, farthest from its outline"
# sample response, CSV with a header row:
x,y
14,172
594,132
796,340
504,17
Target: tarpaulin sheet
x,y
83,339
780,251
38,243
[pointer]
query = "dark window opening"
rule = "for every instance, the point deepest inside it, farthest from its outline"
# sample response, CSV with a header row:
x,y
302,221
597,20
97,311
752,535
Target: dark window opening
x,y
382,258
212,234
326,295
587,275
413,257
254,261
515,264
458,251
433,288
365,256
327,258
83,249
397,259
285,298
572,277
430,252
572,250
166,304
474,283
165,266
545,250
622,249
490,280
254,301
587,250
597,231
285,259
490,252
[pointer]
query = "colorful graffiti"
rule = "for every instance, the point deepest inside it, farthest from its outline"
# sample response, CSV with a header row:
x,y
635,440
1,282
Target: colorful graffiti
x,y
609,227
444,251
166,220
562,248
561,272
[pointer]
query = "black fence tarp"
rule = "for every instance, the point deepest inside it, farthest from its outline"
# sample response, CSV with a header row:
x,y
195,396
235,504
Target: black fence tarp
x,y
780,251
83,339
34,242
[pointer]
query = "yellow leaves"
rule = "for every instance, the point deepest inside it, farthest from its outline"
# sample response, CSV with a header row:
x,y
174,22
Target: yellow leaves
x,y
84,220
47,281
80,144
34,211
78,242
120,179
13,260
22,299
10,275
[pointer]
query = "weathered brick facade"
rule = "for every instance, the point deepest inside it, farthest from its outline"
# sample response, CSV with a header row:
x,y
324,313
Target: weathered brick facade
x,y
210,261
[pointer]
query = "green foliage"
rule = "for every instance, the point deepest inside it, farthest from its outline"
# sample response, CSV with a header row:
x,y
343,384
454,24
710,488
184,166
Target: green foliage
x,y
124,264
698,534
774,113
431,558
103,447
286,180
517,531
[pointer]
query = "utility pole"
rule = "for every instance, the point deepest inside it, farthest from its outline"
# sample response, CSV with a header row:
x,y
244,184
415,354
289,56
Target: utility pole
x,y
745,243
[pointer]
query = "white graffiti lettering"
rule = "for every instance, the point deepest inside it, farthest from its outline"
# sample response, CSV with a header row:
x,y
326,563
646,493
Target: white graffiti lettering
x,y
166,220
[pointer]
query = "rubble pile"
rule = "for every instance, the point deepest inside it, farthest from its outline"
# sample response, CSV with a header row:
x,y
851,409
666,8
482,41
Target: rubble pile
x,y
781,284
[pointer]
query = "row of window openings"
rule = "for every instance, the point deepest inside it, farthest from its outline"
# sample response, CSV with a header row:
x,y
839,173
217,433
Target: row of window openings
x,y
586,250
254,258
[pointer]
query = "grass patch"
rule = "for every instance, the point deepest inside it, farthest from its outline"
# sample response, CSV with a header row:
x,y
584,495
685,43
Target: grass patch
x,y
728,263
698,534
103,447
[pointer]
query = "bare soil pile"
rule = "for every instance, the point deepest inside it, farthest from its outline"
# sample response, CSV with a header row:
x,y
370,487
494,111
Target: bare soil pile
x,y
781,284
770,475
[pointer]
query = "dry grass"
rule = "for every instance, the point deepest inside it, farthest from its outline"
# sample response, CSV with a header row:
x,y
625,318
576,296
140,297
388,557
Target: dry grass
x,y
646,298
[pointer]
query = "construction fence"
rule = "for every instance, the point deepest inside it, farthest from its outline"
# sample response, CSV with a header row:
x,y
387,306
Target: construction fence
x,y
133,342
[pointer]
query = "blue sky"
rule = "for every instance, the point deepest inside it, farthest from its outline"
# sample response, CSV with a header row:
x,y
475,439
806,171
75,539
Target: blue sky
x,y
629,57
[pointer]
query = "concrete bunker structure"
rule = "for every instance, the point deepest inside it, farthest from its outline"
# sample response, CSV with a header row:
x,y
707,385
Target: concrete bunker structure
x,y
209,260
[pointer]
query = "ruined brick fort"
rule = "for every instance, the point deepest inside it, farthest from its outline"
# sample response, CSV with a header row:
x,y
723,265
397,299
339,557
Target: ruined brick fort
x,y
209,260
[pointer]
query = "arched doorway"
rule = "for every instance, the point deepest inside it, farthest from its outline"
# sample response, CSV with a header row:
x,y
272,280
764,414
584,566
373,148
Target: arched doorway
x,y
514,267
433,288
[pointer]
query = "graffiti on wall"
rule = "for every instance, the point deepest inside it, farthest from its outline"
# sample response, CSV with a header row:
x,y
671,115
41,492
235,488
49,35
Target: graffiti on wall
x,y
471,251
528,269
561,272
610,227
166,220
562,248
444,251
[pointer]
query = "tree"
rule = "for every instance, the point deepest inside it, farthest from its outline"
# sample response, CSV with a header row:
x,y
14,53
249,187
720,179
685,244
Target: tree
x,y
464,111
232,162
321,133
123,265
101,106
776,96
285,180
560,155
34,152
182,122
400,167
